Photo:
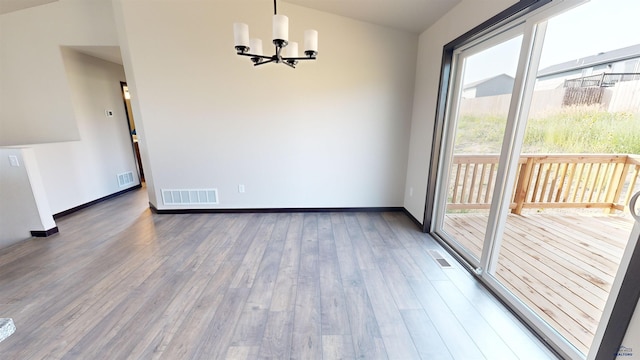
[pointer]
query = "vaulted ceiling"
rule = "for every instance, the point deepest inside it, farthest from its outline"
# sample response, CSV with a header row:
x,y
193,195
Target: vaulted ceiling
x,y
408,15
7,6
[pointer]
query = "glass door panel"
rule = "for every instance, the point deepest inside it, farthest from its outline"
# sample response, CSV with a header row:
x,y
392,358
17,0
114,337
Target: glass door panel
x,y
476,129
569,223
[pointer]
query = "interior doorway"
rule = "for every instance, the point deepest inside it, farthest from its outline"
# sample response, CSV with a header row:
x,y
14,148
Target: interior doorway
x,y
126,98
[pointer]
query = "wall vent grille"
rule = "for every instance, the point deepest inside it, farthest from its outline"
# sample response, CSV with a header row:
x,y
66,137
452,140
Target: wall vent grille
x,y
189,196
126,178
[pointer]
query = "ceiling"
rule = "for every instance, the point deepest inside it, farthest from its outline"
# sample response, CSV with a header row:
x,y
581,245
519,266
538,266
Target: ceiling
x,y
109,53
7,6
409,15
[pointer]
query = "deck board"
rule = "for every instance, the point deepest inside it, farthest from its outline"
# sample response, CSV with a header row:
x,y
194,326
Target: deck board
x,y
560,265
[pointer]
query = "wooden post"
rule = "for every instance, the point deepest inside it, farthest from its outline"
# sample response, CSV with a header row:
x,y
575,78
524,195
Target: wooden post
x,y
523,186
616,184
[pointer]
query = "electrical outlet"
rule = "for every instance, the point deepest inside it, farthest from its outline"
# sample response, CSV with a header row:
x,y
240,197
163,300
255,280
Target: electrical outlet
x,y
108,113
13,161
241,188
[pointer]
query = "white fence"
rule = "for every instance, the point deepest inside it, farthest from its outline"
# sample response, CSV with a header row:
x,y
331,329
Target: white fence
x,y
625,96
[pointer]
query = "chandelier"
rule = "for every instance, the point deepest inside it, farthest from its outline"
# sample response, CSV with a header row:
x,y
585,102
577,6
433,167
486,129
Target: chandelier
x,y
285,52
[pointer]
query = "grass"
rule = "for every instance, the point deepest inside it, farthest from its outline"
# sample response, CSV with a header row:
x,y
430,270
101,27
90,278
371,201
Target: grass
x,y
480,134
573,130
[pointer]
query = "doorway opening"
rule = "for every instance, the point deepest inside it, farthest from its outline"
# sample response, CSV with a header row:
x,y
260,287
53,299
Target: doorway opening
x,y
126,98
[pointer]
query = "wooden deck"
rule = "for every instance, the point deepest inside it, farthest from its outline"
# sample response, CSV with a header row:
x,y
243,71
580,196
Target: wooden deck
x,y
561,265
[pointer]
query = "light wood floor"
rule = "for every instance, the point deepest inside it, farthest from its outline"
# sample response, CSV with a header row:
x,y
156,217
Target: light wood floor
x,y
120,282
562,266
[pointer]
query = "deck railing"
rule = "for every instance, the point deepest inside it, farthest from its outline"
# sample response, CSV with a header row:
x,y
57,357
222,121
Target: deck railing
x,y
548,181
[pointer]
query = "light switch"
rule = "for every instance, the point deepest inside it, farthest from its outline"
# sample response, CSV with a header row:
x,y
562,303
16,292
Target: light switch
x,y
13,160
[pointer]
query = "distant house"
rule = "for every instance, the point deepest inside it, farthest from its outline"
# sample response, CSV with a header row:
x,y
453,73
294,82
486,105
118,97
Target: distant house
x,y
625,60
496,85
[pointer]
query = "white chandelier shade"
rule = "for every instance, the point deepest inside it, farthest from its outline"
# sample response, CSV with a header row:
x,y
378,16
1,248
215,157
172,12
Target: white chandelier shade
x,y
245,46
256,46
280,27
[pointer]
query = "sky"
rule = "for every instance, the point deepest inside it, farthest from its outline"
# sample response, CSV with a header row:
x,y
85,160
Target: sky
x,y
594,27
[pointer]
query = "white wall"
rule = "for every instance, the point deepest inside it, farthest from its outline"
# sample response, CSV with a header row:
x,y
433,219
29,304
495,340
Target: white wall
x,y
78,172
331,133
462,18
52,94
35,100
24,207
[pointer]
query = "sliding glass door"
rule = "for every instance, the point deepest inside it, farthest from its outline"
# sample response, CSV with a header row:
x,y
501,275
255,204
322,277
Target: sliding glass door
x,y
476,129
538,162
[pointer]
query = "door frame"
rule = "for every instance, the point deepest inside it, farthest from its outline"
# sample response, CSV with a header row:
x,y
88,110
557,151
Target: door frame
x,y
136,151
521,8
460,55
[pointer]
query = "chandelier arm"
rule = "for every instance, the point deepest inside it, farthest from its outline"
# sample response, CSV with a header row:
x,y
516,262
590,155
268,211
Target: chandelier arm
x,y
263,62
289,64
255,56
299,58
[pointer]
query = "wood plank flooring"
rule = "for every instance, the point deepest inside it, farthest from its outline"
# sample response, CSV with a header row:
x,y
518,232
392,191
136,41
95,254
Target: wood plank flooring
x,y
119,282
562,265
